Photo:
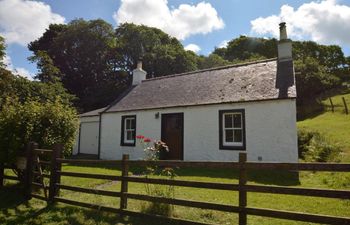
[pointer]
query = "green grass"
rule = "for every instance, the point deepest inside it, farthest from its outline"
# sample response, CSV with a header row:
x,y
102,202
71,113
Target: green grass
x,y
14,210
335,126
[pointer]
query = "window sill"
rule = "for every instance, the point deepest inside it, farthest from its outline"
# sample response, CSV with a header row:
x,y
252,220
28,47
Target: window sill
x,y
233,148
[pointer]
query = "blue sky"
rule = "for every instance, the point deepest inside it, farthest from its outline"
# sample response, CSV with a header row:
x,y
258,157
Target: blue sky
x,y
200,25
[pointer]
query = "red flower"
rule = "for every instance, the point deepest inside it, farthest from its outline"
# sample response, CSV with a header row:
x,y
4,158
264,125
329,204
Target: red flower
x,y
140,137
147,140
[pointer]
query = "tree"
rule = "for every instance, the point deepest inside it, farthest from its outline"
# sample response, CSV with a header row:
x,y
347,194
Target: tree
x,y
2,51
213,60
161,54
82,55
312,79
94,62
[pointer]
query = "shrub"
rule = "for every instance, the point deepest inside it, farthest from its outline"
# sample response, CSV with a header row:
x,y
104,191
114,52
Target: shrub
x,y
314,147
46,123
153,152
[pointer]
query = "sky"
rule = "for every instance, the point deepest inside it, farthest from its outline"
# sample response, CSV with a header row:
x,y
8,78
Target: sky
x,y
200,25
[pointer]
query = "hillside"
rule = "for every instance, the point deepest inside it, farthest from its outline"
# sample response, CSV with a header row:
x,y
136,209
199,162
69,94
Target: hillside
x,y
335,126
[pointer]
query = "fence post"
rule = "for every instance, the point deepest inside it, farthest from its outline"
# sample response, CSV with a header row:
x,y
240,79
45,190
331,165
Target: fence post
x,y
242,190
124,184
54,177
2,168
28,173
346,106
330,100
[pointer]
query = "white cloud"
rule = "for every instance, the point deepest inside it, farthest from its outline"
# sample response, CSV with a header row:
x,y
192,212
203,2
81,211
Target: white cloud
x,y
19,70
24,21
223,44
193,47
324,21
181,22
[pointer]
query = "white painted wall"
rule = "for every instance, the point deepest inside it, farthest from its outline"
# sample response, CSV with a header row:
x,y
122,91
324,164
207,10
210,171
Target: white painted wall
x,y
271,131
88,133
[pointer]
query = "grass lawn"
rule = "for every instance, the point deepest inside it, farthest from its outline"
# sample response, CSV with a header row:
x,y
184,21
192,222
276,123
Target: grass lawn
x,y
335,126
15,211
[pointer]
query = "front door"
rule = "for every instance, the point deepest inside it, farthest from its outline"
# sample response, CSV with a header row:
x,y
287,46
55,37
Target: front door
x,y
172,134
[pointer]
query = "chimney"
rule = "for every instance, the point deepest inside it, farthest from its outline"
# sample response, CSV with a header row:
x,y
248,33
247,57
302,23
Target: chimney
x,y
138,74
284,45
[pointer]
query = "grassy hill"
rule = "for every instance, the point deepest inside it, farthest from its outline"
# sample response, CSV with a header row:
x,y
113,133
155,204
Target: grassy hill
x,y
335,126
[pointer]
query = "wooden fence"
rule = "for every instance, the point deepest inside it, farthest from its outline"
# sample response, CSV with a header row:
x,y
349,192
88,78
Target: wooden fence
x,y
242,187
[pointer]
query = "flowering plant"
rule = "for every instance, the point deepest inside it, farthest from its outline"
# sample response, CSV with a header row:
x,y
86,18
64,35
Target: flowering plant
x,y
153,152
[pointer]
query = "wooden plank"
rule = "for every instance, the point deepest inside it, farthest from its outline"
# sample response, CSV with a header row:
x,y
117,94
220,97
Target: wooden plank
x,y
182,202
55,178
182,183
42,151
90,162
332,106
242,195
341,194
39,197
35,184
186,164
11,177
2,173
336,167
124,184
167,220
345,106
46,163
28,173
44,175
127,212
87,175
90,191
297,216
87,205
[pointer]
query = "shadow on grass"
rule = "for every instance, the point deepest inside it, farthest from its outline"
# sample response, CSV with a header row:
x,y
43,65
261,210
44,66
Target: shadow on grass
x,y
14,209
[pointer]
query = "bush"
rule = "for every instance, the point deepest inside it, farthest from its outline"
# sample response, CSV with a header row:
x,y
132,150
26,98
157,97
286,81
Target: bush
x,y
46,123
314,147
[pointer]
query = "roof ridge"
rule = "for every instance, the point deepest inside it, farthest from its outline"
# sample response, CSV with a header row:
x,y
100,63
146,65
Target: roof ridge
x,y
211,69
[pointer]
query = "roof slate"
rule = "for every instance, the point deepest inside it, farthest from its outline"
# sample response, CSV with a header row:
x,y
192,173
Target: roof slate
x,y
262,80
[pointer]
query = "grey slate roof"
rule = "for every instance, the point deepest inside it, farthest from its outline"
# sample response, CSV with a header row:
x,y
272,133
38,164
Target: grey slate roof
x,y
93,112
261,80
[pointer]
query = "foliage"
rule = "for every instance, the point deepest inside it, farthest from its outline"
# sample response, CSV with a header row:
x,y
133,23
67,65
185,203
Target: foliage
x,y
18,87
153,151
46,123
2,51
210,61
312,79
82,55
161,54
314,147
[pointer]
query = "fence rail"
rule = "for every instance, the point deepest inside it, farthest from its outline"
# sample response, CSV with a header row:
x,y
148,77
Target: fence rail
x,y
241,187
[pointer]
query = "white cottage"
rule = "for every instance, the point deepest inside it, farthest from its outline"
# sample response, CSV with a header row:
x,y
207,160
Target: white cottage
x,y
211,114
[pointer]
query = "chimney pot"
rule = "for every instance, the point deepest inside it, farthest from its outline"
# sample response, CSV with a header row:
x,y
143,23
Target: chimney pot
x,y
283,31
284,44
138,74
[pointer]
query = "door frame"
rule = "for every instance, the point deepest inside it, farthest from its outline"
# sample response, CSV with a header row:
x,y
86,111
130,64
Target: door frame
x,y
163,116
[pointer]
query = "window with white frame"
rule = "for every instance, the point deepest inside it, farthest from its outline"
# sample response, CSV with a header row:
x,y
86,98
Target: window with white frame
x,y
128,130
232,129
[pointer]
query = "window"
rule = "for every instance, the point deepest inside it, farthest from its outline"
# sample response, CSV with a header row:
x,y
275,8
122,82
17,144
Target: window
x,y
128,131
232,129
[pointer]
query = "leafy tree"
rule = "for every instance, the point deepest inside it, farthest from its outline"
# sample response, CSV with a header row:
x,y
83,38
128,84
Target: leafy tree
x,y
247,48
45,123
2,51
312,79
213,60
82,55
161,54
